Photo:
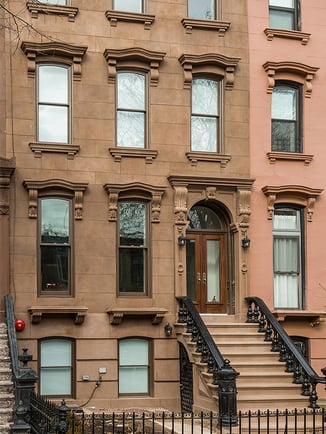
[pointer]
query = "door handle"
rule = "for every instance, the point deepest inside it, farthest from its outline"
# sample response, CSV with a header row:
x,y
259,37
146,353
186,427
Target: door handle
x,y
204,278
198,278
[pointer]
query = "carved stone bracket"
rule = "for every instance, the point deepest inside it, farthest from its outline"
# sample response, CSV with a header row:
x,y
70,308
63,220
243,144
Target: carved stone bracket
x,y
295,194
57,186
180,205
55,51
134,190
78,313
118,314
281,70
244,210
7,168
134,57
212,63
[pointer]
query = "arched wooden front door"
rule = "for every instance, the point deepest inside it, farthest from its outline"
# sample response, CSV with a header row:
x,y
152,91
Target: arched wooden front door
x,y
206,260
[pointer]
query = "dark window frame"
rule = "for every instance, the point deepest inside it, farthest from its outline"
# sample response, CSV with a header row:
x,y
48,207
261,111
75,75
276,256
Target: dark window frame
x,y
69,292
217,117
144,111
298,122
295,12
301,252
146,248
72,366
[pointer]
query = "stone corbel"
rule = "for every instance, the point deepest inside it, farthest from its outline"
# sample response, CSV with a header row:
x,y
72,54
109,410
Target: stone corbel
x,y
156,207
7,168
180,204
270,205
229,77
310,208
244,210
113,206
32,206
211,193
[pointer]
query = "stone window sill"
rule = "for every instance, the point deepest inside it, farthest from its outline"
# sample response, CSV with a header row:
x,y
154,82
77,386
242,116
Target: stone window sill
x,y
287,34
194,157
147,154
315,318
117,314
305,158
70,150
35,8
115,16
218,26
78,313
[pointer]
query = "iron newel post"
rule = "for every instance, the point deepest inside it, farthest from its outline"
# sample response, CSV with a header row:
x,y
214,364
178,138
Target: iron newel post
x,y
225,378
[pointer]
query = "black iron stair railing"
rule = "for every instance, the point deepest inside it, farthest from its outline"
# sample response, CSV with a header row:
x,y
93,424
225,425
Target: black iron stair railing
x,y
224,376
303,373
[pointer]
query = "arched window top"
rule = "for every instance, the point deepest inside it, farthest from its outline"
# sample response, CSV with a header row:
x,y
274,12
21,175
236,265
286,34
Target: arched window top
x,y
202,217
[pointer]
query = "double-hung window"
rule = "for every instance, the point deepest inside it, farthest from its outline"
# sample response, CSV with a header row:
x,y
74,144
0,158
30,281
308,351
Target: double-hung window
x,y
202,9
55,2
55,276
129,5
134,367
53,103
205,115
287,117
131,110
133,249
288,258
284,14
56,367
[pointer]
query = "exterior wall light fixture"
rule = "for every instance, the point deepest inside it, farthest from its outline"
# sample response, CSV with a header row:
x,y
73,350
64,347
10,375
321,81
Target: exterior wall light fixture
x,y
182,240
245,242
168,330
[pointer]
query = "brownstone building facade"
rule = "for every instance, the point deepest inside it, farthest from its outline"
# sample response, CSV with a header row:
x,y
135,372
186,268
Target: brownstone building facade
x,y
125,182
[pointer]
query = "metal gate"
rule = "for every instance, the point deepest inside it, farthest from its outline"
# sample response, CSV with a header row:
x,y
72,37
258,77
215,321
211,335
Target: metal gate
x,y
186,380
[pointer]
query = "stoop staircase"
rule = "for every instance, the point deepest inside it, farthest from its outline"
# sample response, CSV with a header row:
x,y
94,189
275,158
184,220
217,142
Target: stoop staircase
x,y
6,384
262,383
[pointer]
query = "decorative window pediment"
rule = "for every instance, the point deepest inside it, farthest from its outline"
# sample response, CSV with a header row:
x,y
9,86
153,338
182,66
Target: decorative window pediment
x,y
134,58
59,52
293,71
35,8
291,194
210,63
130,17
58,187
192,23
135,190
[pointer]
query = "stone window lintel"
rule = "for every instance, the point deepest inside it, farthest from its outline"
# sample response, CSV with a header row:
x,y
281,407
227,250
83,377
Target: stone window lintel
x,y
135,190
277,70
274,156
120,152
118,314
134,57
194,157
211,63
76,189
296,194
287,34
39,147
54,51
38,312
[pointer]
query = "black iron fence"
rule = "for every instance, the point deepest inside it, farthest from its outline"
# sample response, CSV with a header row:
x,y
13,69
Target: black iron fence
x,y
304,421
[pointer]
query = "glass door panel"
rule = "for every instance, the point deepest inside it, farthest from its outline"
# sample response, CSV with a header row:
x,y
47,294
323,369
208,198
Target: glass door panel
x,y
213,270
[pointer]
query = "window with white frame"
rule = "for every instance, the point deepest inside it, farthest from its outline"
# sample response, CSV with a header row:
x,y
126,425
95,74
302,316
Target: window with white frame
x,y
129,5
56,367
287,117
205,115
288,258
202,9
55,246
284,14
53,103
133,249
55,2
134,366
131,110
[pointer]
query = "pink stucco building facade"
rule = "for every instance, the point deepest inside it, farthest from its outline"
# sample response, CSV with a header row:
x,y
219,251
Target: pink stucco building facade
x,y
289,175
